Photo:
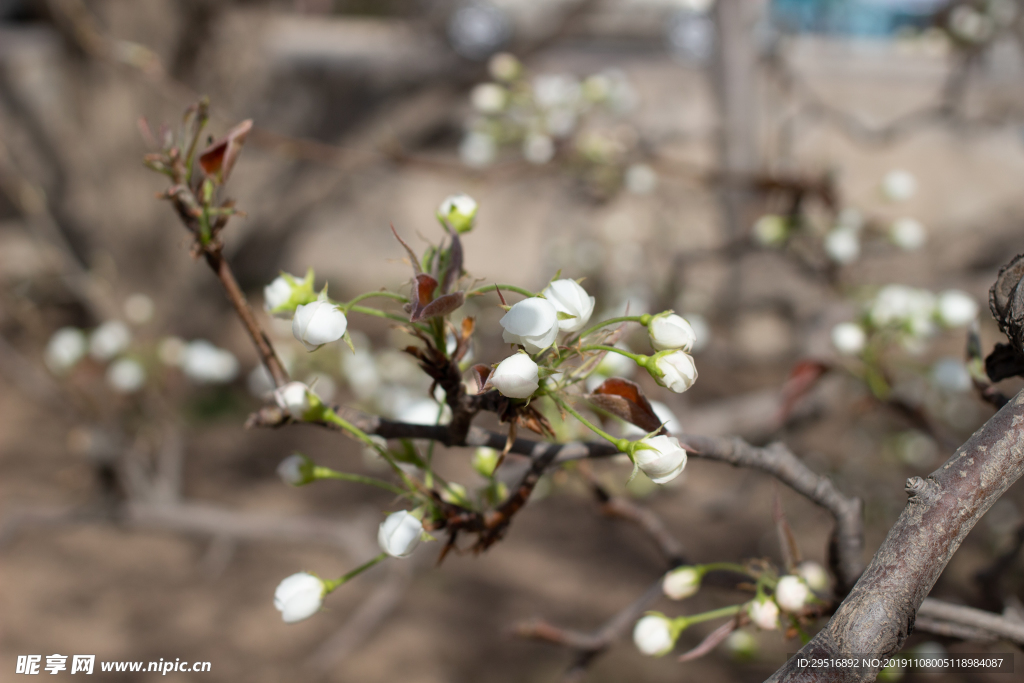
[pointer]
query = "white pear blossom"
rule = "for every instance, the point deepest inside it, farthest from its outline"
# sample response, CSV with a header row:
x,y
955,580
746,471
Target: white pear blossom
x,y
299,597
287,291
814,574
902,305
677,369
956,308
671,332
294,398
109,339
531,322
65,348
842,245
681,583
663,461
764,613
899,185
126,376
849,338
205,363
478,149
516,377
459,210
741,645
400,533
569,298
295,470
907,234
504,67
488,98
791,593
538,148
318,323
652,635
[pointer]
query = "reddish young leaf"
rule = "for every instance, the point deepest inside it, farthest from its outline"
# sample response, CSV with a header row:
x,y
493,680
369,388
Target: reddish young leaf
x,y
625,399
219,158
802,379
442,305
481,373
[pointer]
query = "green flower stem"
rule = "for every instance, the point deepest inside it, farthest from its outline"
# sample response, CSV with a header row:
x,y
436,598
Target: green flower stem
x,y
369,295
622,444
686,622
332,417
327,473
723,566
490,288
331,585
642,319
366,310
639,358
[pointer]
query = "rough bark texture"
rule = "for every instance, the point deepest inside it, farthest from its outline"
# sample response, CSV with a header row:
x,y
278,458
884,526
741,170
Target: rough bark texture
x,y
878,615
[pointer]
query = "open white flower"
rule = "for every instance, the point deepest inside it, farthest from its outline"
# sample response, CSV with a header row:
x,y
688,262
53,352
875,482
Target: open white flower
x,y
670,331
531,322
65,348
109,339
899,185
318,323
569,298
516,377
791,593
653,635
677,369
681,583
956,308
294,398
399,534
663,461
299,597
459,210
849,338
764,613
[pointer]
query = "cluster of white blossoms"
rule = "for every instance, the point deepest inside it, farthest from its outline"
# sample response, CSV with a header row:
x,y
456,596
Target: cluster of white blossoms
x,y
972,23
912,313
656,634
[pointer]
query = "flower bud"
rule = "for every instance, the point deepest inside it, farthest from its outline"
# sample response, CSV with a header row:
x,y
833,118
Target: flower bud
x,y
399,534
531,322
653,635
504,67
849,338
109,339
286,292
682,582
318,323
842,245
296,399
674,370
485,460
791,593
296,470
741,645
538,148
138,308
488,98
771,230
205,363
764,613
456,494
299,597
663,461
516,377
898,185
670,331
126,376
956,308
907,234
460,212
814,574
569,299
65,348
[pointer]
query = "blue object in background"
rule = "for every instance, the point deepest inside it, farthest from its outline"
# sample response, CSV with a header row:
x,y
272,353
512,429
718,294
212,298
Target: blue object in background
x,y
876,18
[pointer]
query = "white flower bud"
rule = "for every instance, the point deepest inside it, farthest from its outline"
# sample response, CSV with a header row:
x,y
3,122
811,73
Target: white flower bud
x,y
907,234
741,645
516,377
677,369
296,470
126,376
842,245
138,308
171,351
459,210
478,149
538,148
764,614
898,185
399,534
641,179
670,331
286,292
849,338
956,308
663,461
318,323
814,574
109,339
485,460
770,230
531,322
653,635
791,593
504,67
294,398
569,298
681,583
205,363
299,597
65,348
488,98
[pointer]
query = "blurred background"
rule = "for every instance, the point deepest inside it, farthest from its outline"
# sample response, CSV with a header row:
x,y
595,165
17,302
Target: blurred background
x,y
764,167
